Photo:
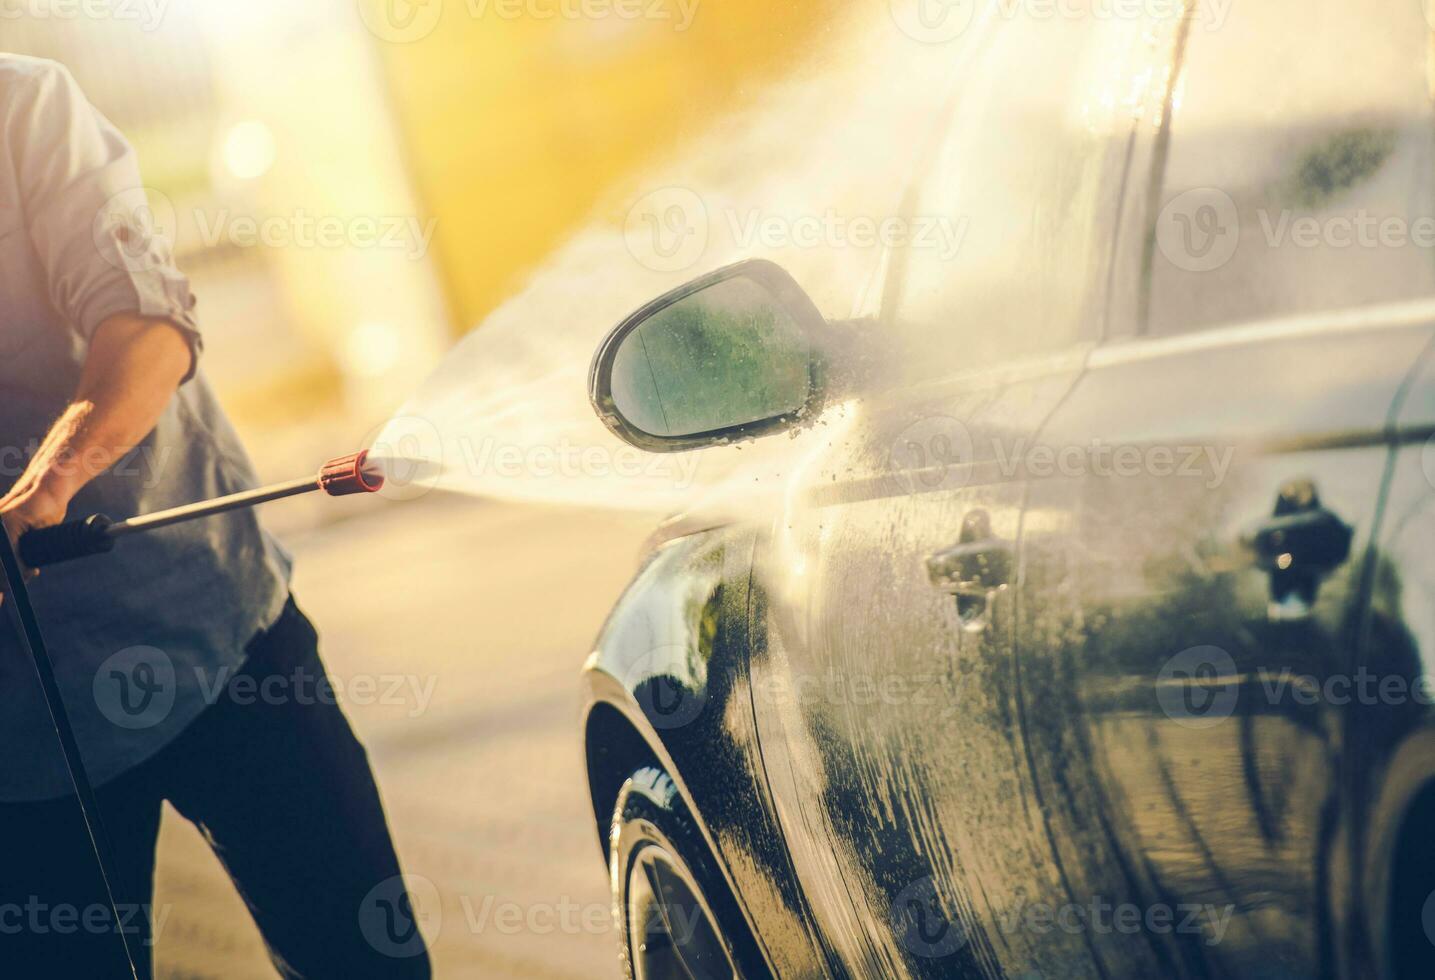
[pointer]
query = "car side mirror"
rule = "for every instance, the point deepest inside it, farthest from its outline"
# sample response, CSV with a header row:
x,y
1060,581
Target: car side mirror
x,y
726,357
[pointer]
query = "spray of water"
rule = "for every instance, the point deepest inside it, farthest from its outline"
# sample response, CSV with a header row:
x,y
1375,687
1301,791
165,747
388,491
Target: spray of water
x,y
506,415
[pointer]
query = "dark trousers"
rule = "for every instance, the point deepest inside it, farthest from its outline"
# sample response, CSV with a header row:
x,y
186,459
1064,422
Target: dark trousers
x,y
282,791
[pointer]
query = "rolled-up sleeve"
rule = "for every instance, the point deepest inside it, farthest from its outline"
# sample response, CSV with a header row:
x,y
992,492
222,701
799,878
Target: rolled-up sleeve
x,y
98,233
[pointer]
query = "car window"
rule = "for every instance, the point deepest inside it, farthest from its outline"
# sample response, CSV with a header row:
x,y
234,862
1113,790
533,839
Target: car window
x,y
1287,189
1028,175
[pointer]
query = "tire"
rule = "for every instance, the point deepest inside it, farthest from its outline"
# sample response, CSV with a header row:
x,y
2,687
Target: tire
x,y
668,898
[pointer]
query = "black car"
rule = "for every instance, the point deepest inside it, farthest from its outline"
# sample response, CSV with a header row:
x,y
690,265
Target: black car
x,y
1090,634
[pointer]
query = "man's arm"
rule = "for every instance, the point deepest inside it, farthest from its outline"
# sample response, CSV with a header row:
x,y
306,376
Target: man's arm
x,y
133,368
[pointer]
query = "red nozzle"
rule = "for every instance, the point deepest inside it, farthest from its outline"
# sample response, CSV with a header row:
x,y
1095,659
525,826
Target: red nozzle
x,y
347,474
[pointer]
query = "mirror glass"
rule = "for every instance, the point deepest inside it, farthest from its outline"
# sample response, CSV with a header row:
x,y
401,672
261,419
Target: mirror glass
x,y
728,355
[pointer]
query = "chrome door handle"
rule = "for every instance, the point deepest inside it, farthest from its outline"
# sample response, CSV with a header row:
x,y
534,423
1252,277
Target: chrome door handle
x,y
976,568
1297,547
1313,540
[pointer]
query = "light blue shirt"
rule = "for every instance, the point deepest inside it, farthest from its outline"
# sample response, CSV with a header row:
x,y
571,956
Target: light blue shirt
x,y
141,638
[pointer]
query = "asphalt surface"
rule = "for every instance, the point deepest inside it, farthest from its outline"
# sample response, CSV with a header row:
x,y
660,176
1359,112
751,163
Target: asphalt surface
x,y
458,627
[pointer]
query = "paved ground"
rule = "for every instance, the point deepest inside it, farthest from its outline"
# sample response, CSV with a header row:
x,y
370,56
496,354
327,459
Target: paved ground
x,y
495,606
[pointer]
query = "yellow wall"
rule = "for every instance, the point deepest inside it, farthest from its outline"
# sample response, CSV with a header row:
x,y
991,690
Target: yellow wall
x,y
516,127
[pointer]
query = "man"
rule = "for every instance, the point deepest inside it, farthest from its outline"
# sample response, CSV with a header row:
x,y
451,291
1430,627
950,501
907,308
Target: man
x,y
101,410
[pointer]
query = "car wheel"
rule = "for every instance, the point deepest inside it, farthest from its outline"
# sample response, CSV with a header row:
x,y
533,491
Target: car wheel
x,y
663,885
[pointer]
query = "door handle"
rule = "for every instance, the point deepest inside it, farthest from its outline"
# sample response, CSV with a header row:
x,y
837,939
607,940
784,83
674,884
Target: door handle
x,y
1313,540
975,569
1297,547
972,569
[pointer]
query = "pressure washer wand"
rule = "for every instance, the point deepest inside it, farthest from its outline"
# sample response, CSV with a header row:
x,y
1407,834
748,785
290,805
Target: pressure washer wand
x,y
97,534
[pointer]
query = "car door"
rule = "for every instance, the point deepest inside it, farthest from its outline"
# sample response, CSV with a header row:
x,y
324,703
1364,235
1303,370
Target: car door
x,y
1190,595
1392,790
884,681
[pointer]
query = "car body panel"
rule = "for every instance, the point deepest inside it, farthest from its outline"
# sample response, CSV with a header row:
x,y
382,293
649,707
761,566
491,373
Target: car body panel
x,y
1186,741
888,723
913,782
671,660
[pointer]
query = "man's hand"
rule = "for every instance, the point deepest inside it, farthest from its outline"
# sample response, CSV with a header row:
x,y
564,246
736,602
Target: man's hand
x,y
26,510
133,368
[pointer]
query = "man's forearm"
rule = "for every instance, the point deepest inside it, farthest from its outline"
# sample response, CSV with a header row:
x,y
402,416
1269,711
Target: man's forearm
x,y
134,366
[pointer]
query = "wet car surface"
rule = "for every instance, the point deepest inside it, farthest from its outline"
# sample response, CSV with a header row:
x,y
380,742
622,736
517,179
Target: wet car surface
x,y
1088,636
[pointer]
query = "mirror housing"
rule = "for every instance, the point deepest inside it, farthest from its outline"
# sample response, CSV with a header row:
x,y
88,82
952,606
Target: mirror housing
x,y
729,356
